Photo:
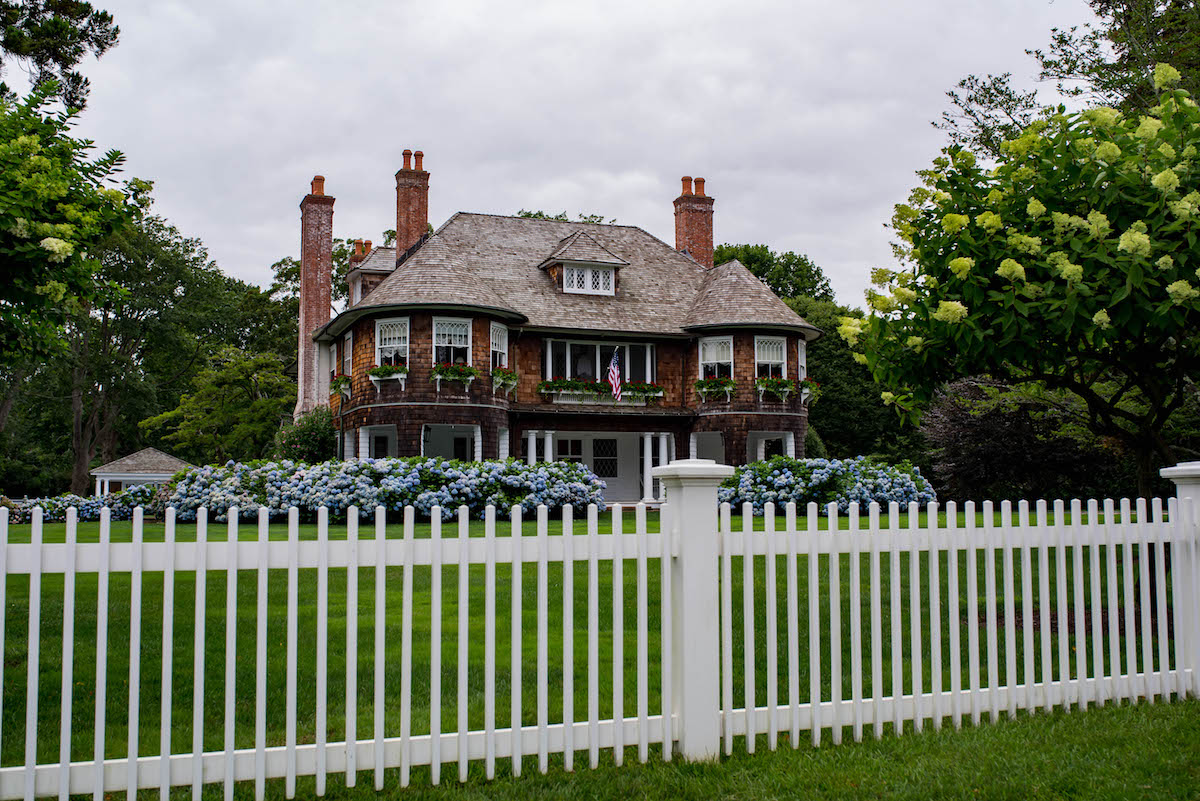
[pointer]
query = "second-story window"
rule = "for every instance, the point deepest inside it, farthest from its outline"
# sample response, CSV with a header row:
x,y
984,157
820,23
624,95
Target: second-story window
x,y
588,280
499,346
769,358
716,357
451,340
391,343
333,362
590,360
348,354
802,361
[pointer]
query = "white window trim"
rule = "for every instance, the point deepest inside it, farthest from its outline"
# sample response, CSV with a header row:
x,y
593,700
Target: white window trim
x,y
781,341
802,360
470,335
500,327
700,354
407,336
651,367
588,270
348,353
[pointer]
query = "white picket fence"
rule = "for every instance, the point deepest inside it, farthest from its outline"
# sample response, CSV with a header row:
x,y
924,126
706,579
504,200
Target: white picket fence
x,y
1079,582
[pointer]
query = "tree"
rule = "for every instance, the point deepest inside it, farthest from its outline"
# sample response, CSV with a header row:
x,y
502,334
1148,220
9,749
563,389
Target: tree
x,y
1109,62
286,271
234,410
54,211
49,38
789,275
311,439
1071,265
562,217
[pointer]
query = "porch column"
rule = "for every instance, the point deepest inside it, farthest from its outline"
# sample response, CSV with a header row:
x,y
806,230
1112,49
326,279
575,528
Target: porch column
x,y
97,487
107,484
647,466
548,445
531,446
502,445
364,443
789,444
348,444
479,443
693,445
664,441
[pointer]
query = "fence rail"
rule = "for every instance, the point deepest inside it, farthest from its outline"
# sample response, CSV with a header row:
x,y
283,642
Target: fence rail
x,y
237,657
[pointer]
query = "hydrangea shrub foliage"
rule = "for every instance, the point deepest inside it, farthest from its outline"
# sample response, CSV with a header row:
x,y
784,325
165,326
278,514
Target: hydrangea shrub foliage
x,y
822,481
120,504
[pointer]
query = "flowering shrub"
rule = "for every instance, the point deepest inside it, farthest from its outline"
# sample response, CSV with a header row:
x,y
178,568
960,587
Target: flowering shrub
x,y
822,481
454,372
121,505
392,483
312,438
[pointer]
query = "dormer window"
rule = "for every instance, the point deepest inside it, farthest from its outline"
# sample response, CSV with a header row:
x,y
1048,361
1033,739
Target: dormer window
x,y
588,280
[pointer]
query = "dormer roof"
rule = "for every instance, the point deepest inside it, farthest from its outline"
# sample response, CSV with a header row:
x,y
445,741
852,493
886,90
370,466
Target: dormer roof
x,y
579,247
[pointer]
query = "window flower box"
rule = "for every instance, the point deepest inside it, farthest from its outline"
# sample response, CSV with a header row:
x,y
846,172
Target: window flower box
x,y
504,380
810,391
779,387
340,384
461,373
716,387
384,373
599,393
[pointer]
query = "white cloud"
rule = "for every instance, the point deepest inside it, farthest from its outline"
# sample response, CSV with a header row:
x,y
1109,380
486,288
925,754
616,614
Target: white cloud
x,y
808,119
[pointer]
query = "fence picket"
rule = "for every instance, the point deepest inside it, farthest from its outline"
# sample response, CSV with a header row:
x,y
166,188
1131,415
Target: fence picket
x,y
856,683
876,623
516,721
618,635
593,548
1079,692
1028,698
406,648
643,662
351,713
464,574
435,644
1129,679
897,654
725,529
293,603
793,630
814,627
568,671
260,660
231,582
914,618
953,618
68,658
772,628
972,542
33,653
835,625
1143,538
3,605
1044,604
1010,620
1064,630
168,647
1160,605
990,602
935,611
1113,607
322,643
489,643
201,592
377,717
1096,686
748,625
667,605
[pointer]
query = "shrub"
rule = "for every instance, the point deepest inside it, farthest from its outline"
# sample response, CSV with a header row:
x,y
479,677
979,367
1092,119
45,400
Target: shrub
x,y
120,504
822,481
312,438
392,483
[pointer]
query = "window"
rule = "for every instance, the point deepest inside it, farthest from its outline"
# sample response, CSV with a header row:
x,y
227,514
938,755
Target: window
x,y
356,290
716,357
589,360
604,458
569,450
769,358
451,341
588,280
391,343
333,362
348,354
802,361
499,346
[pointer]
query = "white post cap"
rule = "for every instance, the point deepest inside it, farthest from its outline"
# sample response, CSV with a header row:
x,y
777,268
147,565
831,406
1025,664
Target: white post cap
x,y
693,468
1186,476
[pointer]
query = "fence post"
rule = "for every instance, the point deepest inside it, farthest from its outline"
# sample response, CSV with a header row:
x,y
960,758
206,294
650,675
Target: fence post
x,y
1186,476
691,490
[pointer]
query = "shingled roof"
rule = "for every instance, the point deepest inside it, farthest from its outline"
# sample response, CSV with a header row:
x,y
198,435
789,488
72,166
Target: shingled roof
x,y
379,260
146,461
494,262
734,296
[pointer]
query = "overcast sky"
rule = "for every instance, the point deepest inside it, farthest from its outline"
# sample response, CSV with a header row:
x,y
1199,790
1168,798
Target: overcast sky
x,y
808,119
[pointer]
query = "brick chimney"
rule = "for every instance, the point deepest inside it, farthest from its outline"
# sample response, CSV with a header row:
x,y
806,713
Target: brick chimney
x,y
358,254
694,222
316,268
412,202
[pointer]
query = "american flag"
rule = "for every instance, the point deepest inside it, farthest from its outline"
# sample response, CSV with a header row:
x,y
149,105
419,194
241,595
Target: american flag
x,y
614,375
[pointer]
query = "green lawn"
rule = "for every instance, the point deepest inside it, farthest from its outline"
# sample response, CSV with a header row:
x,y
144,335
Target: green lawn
x,y
686,780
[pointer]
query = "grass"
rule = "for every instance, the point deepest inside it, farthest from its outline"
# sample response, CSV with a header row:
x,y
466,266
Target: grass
x,y
875,763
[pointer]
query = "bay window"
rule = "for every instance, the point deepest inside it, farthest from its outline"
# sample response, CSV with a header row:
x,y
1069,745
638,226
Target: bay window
x,y
716,357
770,360
451,340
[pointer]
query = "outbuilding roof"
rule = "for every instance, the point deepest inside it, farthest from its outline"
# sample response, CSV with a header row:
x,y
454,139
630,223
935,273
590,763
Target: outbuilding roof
x,y
495,263
149,461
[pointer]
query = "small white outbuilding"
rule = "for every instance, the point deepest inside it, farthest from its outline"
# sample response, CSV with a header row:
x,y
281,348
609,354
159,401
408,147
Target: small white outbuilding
x,y
147,466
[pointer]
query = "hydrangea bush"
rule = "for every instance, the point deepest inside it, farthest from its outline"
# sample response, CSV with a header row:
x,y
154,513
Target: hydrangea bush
x,y
822,481
121,505
392,483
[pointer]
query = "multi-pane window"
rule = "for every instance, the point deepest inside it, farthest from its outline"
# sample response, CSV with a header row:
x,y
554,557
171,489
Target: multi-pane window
x,y
391,343
499,346
604,458
451,341
769,357
589,280
802,361
716,357
569,450
589,360
333,361
348,354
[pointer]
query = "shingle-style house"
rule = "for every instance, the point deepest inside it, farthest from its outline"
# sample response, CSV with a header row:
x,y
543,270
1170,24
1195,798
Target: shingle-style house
x,y
451,315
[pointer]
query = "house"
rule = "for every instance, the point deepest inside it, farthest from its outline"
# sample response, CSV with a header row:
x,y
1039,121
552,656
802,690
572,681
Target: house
x,y
493,337
147,466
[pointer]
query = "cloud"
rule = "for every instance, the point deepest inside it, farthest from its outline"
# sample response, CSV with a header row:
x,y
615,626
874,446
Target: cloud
x,y
808,119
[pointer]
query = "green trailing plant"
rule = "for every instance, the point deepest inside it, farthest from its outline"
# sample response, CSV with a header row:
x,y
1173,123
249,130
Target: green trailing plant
x,y
339,383
812,387
572,385
388,371
454,372
642,389
505,377
779,387
715,385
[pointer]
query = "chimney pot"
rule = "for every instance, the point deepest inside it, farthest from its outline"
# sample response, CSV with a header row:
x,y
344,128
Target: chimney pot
x,y
419,156
358,247
407,160
687,185
366,247
318,185
700,187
